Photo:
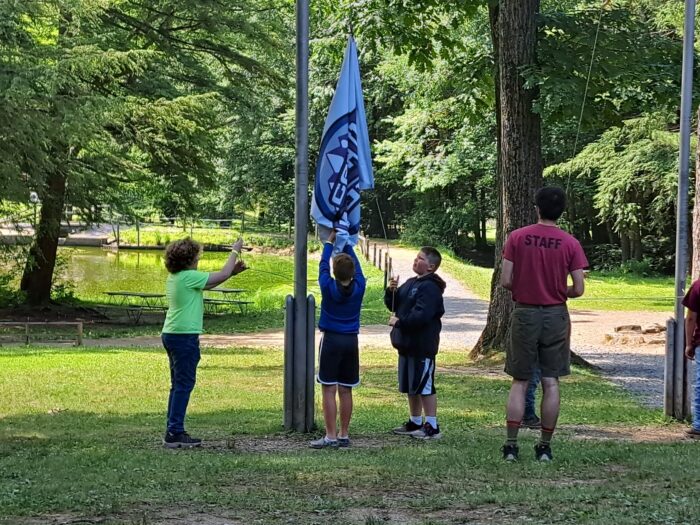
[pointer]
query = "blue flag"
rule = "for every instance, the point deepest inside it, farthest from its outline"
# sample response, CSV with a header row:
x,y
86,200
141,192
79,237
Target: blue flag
x,y
344,165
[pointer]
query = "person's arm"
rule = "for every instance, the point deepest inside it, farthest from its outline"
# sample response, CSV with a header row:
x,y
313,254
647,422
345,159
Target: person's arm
x,y
507,274
577,289
233,266
324,266
359,276
691,321
391,295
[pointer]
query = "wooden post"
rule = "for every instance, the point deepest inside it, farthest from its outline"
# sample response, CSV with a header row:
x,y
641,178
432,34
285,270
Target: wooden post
x,y
117,233
367,248
26,334
386,261
138,234
379,261
374,255
79,341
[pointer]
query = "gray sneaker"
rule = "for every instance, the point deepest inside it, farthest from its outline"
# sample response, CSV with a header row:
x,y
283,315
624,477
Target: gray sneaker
x,y
324,442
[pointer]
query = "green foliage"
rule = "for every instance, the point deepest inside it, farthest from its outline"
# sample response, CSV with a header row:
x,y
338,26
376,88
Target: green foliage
x,y
631,175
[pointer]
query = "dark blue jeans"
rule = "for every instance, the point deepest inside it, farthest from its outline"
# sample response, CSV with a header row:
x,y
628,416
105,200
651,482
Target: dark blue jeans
x,y
183,353
530,395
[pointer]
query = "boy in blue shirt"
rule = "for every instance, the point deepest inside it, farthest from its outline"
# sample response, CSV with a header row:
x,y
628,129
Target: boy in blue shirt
x,y
339,359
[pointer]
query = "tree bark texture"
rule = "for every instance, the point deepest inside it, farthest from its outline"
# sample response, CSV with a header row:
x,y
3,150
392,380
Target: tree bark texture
x,y
38,271
519,148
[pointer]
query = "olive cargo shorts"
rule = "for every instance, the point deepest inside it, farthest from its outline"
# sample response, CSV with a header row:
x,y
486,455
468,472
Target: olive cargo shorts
x,y
539,336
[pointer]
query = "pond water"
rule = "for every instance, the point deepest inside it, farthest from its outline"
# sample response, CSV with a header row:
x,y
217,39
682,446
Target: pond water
x,y
93,271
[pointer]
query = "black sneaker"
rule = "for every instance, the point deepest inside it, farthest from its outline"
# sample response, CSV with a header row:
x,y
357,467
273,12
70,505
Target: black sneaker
x,y
510,452
181,440
543,452
427,432
405,429
531,422
344,442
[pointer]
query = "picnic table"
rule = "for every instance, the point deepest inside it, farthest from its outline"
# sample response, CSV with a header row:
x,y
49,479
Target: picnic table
x,y
147,299
212,306
136,303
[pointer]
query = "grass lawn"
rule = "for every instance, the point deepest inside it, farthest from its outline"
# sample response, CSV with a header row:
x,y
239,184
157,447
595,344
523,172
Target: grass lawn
x,y
604,290
80,430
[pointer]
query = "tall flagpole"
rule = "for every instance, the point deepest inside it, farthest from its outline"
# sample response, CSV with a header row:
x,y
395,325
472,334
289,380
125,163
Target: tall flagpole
x,y
678,374
300,420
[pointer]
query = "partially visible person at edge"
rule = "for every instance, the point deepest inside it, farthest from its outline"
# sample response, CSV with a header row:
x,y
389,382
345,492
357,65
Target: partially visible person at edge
x,y
339,359
692,341
417,308
537,261
184,289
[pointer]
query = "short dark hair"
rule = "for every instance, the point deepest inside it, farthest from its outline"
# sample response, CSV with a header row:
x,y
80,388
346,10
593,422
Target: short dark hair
x,y
343,267
551,201
180,255
432,255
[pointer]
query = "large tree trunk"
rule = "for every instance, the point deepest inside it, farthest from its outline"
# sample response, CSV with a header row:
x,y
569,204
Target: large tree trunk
x,y
38,272
520,153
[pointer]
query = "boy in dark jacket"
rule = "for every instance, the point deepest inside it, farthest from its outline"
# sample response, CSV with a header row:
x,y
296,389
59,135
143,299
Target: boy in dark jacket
x,y
417,307
339,360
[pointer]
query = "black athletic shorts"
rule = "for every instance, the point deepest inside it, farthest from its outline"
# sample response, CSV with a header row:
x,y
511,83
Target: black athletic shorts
x,y
416,375
338,360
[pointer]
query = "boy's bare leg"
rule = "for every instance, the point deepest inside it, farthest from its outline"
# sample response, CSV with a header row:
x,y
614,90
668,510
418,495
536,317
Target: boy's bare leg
x,y
330,410
345,398
429,405
415,405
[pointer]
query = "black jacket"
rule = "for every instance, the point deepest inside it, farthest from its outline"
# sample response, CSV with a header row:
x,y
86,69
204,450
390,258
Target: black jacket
x,y
419,306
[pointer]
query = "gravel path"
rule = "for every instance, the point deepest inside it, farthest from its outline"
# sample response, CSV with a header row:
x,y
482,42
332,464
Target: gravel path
x,y
637,368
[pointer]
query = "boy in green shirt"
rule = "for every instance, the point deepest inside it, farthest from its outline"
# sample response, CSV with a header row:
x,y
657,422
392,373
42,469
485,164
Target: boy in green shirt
x,y
184,290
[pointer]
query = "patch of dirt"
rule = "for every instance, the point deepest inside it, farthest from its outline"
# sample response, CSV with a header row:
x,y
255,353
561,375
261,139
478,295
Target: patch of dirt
x,y
296,442
588,327
52,312
483,514
667,434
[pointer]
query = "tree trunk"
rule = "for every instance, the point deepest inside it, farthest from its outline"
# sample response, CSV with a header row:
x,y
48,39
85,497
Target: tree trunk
x,y
625,245
520,154
38,271
695,269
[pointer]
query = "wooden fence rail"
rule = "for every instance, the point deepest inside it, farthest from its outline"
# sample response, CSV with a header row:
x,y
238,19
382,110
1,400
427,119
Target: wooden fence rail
x,y
28,324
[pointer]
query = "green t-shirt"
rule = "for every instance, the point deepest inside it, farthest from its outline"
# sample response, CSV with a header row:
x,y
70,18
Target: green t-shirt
x,y
184,291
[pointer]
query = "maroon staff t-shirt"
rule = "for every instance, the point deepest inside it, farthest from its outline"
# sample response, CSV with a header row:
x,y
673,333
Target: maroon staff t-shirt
x,y
692,302
543,257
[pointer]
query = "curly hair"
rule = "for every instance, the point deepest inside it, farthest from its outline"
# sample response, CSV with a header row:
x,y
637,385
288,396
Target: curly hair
x,y
180,255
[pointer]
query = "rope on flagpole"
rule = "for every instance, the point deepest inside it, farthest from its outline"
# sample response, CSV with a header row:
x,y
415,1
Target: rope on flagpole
x,y
603,5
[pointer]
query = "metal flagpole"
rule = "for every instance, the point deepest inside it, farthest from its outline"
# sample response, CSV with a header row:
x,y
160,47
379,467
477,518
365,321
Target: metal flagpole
x,y
680,370
300,412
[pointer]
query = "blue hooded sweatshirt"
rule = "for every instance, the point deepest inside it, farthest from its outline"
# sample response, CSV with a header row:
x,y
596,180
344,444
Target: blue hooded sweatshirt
x,y
340,305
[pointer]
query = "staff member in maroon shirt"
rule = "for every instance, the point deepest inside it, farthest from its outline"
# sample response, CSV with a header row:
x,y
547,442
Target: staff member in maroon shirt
x,y
537,261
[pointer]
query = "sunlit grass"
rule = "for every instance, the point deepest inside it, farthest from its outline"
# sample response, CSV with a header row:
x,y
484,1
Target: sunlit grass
x,y
80,430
